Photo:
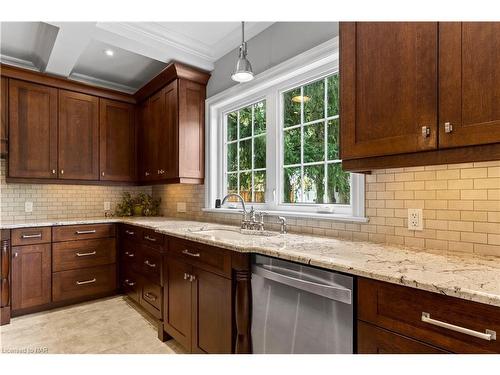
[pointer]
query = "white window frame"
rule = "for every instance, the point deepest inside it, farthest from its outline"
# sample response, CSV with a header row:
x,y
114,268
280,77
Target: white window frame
x,y
270,85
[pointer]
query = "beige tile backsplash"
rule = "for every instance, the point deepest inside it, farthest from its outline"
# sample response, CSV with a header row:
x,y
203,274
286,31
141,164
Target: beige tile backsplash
x,y
460,202
52,201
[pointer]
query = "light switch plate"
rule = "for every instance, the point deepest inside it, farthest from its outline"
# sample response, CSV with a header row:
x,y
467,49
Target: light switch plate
x,y
107,206
181,206
28,206
415,219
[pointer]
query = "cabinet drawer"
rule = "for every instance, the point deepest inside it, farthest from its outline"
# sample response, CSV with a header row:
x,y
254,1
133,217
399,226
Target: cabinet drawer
x,y
401,309
130,255
82,232
151,238
375,340
85,253
205,257
86,282
31,236
151,293
130,283
150,264
129,232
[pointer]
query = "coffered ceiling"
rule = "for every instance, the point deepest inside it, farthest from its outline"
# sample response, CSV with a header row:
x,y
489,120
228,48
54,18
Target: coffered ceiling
x,y
140,50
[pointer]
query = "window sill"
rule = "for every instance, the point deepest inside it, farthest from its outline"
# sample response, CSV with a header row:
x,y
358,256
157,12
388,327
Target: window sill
x,y
306,215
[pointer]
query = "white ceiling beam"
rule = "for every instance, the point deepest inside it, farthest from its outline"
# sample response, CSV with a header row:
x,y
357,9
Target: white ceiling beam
x,y
134,40
71,40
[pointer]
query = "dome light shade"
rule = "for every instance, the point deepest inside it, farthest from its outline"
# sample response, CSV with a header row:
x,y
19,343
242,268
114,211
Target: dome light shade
x,y
243,71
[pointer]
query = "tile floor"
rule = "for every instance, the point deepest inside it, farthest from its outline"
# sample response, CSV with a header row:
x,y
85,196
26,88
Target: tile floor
x,y
110,325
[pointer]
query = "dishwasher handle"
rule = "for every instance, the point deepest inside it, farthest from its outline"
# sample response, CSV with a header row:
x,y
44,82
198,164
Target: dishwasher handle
x,y
331,291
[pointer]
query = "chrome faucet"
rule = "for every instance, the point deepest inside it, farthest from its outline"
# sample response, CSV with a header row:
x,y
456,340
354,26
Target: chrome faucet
x,y
282,221
244,220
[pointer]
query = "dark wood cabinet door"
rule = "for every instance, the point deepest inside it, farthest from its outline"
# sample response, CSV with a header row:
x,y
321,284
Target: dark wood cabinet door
x,y
191,154
212,321
78,136
375,340
177,310
32,130
151,144
168,154
117,141
469,83
143,116
4,130
31,276
388,88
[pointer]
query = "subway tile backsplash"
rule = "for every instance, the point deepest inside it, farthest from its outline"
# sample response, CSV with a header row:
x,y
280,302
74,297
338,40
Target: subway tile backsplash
x,y
460,202
53,201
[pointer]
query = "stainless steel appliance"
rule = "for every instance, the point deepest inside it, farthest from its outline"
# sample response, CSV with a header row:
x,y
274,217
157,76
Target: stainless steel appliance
x,y
300,309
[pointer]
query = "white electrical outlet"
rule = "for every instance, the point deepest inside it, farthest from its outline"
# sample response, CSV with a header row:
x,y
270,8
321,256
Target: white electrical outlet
x,y
28,206
107,206
415,220
181,206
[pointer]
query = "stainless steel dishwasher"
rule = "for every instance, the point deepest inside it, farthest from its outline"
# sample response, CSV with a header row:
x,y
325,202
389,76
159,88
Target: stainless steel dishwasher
x,y
300,309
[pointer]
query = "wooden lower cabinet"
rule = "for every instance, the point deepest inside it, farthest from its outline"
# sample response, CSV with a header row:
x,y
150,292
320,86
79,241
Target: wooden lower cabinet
x,y
211,313
5,276
177,311
197,310
31,276
434,320
376,340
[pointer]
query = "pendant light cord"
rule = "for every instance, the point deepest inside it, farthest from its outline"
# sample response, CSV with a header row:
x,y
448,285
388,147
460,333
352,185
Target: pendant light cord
x,y
242,32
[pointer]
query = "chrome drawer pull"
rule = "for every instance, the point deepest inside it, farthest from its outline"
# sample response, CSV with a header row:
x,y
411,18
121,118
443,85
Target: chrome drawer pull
x,y
86,282
86,254
85,231
129,232
131,255
187,252
129,283
26,236
150,238
489,335
152,265
150,296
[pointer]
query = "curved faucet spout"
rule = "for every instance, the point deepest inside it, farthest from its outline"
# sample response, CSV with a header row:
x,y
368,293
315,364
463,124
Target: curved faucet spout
x,y
240,198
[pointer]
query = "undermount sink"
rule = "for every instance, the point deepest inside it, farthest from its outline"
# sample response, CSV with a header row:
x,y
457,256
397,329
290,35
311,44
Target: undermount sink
x,y
232,234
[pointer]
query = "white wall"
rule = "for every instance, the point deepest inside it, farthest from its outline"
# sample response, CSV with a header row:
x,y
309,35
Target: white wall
x,y
277,43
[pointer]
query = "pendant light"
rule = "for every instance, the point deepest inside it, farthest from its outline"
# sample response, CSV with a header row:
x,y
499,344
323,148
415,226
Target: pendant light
x,y
243,71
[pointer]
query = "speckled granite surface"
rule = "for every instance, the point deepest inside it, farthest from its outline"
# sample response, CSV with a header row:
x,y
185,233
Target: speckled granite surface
x,y
460,275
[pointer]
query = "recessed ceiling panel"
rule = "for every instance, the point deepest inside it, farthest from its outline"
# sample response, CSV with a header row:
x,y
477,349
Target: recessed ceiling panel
x,y
123,68
29,42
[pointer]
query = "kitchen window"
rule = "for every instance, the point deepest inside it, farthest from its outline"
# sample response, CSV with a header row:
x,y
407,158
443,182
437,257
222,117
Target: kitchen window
x,y
275,141
246,152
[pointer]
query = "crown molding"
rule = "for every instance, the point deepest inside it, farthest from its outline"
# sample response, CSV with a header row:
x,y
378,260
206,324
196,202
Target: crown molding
x,y
20,63
102,83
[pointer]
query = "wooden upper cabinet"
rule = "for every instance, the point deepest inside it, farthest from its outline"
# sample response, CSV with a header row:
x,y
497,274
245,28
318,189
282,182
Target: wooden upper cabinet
x,y
117,141
191,138
169,155
78,140
32,130
469,83
388,88
153,130
4,130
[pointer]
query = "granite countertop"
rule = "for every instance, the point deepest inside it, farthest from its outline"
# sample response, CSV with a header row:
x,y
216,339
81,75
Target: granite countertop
x,y
466,276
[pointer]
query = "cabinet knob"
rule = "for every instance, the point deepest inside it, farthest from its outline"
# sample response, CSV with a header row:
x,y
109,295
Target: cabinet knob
x,y
448,128
62,171
186,276
146,174
53,171
426,131
102,173
161,171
